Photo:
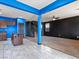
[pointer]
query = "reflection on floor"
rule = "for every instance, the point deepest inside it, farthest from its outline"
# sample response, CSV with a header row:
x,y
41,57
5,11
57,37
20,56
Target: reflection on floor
x,y
67,46
30,50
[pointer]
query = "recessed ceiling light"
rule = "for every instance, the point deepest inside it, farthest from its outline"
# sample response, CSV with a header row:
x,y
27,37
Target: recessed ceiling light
x,y
0,13
54,19
20,17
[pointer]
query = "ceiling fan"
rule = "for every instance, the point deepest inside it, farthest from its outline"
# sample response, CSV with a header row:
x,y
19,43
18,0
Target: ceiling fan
x,y
54,18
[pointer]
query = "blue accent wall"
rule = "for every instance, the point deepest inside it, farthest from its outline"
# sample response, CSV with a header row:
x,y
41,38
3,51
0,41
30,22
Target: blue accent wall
x,y
21,21
11,28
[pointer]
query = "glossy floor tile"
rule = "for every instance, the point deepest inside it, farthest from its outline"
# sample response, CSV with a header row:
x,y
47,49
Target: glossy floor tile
x,y
30,50
68,46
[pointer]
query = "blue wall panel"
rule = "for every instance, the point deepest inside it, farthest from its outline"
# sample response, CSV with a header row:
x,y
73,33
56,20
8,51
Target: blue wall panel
x,y
10,28
20,20
7,18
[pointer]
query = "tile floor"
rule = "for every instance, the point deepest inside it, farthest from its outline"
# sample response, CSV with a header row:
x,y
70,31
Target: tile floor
x,y
65,45
30,50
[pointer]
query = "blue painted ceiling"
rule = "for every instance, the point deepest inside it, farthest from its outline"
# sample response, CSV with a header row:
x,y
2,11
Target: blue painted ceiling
x,y
18,5
55,5
21,6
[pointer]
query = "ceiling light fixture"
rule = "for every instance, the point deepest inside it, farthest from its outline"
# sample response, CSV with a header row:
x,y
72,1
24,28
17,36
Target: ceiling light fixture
x,y
0,13
53,19
20,17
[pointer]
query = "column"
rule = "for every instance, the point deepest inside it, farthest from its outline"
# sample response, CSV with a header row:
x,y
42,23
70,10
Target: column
x,y
39,41
25,31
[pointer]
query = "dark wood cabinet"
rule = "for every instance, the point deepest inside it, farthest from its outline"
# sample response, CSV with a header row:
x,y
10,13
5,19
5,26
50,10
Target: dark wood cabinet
x,y
3,24
11,23
3,36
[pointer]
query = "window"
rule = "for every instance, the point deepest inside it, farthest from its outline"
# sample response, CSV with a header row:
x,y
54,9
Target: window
x,y
47,27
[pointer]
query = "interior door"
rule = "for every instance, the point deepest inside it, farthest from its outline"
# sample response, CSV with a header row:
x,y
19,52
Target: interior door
x,y
21,28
